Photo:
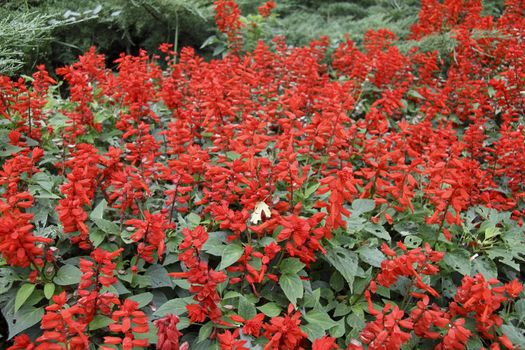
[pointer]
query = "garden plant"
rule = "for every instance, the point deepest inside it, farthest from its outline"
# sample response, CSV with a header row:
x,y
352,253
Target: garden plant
x,y
322,197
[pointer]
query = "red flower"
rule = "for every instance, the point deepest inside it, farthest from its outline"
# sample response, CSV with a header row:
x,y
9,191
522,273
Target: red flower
x,y
254,325
196,312
150,233
167,333
514,288
128,320
386,331
229,341
456,337
266,9
325,343
22,342
284,333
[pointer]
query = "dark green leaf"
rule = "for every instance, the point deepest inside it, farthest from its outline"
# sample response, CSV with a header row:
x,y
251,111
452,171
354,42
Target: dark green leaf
x,y
292,287
345,261
412,241
49,290
158,276
291,266
67,275
174,306
371,256
99,321
143,299
515,335
377,230
230,255
319,319
22,294
7,277
23,319
246,309
485,266
205,331
313,332
270,309
99,210
458,260
360,206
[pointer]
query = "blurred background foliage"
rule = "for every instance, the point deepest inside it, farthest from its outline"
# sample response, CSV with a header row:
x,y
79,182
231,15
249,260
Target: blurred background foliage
x,y
55,32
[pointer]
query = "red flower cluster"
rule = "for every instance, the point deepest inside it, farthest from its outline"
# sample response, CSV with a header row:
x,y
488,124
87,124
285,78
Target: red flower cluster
x,y
270,152
129,321
18,245
266,9
227,18
203,280
150,233
79,192
412,264
167,333
284,332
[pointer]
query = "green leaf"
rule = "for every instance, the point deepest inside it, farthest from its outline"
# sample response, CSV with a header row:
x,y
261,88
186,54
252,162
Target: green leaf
x,y
355,321
312,331
44,180
49,290
214,246
292,287
174,306
492,232
412,241
99,210
519,307
338,331
193,219
158,276
515,335
7,277
142,299
232,155
67,275
344,261
7,150
23,319
270,309
205,331
485,266
414,93
107,226
58,121
459,260
246,309
230,255
22,294
311,190
319,319
371,256
291,266
377,230
360,206
96,237
231,294
99,321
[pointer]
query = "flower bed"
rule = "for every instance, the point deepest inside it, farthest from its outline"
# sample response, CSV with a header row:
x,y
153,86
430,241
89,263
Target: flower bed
x,y
285,198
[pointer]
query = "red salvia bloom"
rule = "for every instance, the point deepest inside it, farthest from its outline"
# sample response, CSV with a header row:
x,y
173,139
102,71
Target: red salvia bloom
x,y
266,9
129,321
284,332
167,333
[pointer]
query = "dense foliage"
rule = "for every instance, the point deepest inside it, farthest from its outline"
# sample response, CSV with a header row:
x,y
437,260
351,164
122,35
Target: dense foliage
x,y
282,198
55,32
